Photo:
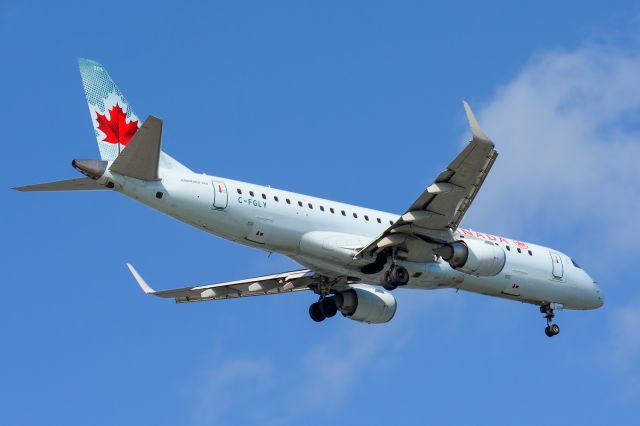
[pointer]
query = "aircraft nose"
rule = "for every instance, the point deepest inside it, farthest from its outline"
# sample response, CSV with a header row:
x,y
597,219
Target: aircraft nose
x,y
596,297
600,296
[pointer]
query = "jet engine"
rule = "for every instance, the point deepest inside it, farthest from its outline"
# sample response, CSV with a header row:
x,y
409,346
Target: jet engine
x,y
366,304
475,257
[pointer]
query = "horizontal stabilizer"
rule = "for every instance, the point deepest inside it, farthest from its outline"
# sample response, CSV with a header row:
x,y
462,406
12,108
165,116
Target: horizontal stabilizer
x,y
80,184
141,156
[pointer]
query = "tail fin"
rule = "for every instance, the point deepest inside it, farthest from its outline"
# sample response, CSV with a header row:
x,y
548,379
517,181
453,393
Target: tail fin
x,y
113,119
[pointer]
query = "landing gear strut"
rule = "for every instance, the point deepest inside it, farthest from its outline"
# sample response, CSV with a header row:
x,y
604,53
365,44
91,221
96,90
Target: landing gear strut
x,y
396,276
551,329
324,308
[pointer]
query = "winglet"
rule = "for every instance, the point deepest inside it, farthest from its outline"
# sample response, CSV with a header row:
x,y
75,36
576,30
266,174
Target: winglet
x,y
475,127
141,282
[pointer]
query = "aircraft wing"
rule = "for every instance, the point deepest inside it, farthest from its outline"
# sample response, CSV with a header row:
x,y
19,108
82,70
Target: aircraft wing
x,y
285,282
438,211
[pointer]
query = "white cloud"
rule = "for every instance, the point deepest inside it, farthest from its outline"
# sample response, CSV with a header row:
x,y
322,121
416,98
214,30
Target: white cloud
x,y
287,389
302,382
214,399
624,350
626,338
568,132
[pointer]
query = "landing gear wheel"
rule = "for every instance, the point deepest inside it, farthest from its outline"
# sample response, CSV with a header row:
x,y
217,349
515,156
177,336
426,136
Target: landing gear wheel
x,y
389,287
395,277
315,313
328,307
387,284
400,275
552,330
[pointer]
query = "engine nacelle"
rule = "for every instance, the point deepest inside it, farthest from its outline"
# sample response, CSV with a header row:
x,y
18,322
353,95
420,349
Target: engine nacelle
x,y
366,304
475,257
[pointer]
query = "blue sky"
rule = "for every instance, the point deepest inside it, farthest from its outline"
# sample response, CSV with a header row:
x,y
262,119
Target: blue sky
x,y
358,102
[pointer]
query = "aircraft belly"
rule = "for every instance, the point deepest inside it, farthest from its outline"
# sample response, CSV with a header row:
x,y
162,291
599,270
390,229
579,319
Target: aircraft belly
x,y
283,239
429,275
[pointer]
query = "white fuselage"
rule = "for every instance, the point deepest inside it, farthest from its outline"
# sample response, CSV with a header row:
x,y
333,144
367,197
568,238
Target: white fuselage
x,y
322,235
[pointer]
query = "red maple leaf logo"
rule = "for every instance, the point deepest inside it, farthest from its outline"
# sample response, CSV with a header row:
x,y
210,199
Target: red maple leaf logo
x,y
116,128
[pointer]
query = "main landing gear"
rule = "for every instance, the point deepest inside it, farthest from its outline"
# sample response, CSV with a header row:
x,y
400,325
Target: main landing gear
x,y
322,309
396,276
551,329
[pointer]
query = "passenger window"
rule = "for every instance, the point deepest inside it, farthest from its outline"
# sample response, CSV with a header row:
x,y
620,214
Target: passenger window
x,y
239,191
519,251
530,254
310,206
343,213
366,218
331,210
288,201
508,248
275,197
300,203
390,222
379,221
355,215
264,197
321,208
251,193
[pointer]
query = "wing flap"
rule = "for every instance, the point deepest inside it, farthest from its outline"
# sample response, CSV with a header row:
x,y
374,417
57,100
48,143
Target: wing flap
x,y
285,282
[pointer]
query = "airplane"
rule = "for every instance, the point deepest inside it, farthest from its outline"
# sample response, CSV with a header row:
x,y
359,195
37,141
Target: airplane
x,y
352,257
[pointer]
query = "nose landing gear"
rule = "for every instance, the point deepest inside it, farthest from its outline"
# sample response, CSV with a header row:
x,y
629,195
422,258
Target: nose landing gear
x,y
551,329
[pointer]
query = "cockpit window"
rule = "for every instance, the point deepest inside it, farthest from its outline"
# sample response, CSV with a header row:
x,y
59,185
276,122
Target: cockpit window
x,y
575,264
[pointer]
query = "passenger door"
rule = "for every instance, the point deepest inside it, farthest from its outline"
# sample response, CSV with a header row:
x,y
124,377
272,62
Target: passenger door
x,y
557,268
220,196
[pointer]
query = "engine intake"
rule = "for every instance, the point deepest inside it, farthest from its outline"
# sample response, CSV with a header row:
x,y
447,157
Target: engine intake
x,y
475,257
366,304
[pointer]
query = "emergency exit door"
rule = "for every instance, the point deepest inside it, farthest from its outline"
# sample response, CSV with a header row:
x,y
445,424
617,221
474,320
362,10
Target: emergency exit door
x,y
220,196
